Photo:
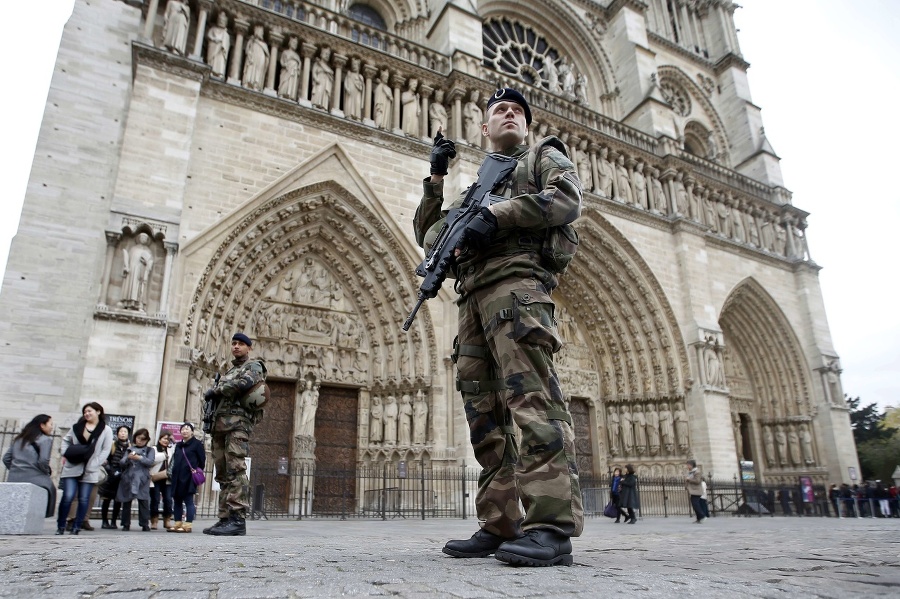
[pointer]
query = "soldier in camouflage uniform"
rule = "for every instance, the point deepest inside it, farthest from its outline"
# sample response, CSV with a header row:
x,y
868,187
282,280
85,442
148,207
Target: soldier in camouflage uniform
x,y
233,421
504,350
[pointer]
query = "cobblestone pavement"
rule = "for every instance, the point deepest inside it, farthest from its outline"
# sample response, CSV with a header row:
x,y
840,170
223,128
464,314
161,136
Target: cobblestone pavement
x,y
657,557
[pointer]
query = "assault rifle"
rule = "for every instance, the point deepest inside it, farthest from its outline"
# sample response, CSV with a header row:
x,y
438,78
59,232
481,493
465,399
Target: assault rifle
x,y
440,258
210,405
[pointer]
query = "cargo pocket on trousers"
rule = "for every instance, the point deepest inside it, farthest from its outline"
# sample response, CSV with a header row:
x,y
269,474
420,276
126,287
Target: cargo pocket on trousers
x,y
534,324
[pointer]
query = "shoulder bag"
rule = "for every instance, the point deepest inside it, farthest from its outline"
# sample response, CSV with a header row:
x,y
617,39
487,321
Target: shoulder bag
x,y
196,474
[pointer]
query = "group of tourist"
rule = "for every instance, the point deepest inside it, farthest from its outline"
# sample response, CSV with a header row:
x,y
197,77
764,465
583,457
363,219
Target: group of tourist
x,y
121,468
871,500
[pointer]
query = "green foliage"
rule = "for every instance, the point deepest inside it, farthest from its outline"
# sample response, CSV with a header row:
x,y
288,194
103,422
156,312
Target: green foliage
x,y
879,457
866,422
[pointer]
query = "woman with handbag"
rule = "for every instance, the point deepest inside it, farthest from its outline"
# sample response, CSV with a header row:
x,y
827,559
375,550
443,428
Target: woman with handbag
x,y
160,489
28,458
615,489
84,449
188,458
630,498
135,483
110,486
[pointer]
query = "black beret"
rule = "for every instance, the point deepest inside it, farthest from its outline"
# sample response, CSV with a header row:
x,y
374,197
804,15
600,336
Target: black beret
x,y
508,94
242,337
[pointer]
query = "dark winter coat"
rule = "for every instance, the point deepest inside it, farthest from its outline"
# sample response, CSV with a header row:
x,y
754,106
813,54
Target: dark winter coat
x,y
629,496
30,463
180,476
135,482
110,486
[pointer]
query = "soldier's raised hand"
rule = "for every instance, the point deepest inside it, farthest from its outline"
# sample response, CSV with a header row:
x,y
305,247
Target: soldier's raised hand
x,y
442,152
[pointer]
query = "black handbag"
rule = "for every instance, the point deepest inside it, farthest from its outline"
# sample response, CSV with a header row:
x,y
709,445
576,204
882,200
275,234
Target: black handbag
x,y
79,453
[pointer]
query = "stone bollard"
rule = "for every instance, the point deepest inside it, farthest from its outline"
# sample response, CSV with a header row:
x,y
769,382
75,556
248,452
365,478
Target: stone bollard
x,y
22,509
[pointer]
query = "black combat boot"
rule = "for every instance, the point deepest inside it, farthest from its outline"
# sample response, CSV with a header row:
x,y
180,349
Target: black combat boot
x,y
537,547
222,522
481,544
235,527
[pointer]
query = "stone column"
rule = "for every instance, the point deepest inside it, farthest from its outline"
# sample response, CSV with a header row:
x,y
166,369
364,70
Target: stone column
x,y
339,61
595,172
275,39
151,21
112,239
455,96
205,6
397,82
241,26
307,51
424,94
171,250
369,72
668,179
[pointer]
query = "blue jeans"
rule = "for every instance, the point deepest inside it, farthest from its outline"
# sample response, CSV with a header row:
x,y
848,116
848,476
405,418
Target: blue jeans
x,y
189,506
161,491
697,504
71,486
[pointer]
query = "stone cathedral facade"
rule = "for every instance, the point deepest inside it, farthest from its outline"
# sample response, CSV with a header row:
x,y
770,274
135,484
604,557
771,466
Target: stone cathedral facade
x,y
209,166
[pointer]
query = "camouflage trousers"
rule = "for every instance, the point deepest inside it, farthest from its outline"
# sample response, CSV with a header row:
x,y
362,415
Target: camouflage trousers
x,y
228,452
504,357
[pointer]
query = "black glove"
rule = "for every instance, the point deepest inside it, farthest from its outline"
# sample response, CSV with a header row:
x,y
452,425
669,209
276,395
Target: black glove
x,y
443,151
480,230
210,394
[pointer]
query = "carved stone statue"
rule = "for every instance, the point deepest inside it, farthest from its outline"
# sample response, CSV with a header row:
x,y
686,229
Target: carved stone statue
x,y
781,444
605,173
309,401
584,170
391,411
376,411
769,445
652,429
640,430
640,187
472,120
437,113
566,78
420,418
738,437
665,427
624,192
322,80
256,60
681,427
681,197
581,89
383,102
627,430
218,45
657,195
794,446
551,75
806,440
176,22
404,421
411,109
136,269
354,88
291,67
612,429
714,375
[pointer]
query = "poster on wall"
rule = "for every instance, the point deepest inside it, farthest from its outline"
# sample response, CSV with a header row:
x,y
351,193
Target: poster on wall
x,y
748,473
173,428
806,489
114,421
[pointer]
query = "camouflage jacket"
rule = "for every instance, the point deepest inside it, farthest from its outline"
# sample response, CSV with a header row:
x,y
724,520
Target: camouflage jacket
x,y
231,388
533,207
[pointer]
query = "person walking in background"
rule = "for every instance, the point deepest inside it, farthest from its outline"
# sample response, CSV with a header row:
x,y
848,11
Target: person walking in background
x,y
630,498
28,458
693,482
135,482
160,489
110,487
188,454
84,449
615,496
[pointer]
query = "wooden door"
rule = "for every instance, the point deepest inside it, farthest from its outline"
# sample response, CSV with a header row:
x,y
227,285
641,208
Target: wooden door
x,y
271,439
336,451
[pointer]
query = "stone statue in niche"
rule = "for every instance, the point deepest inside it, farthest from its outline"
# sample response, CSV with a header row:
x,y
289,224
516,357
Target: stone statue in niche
x,y
391,411
715,377
176,22
420,418
218,45
737,225
136,269
806,440
567,78
681,196
354,88
309,401
640,430
665,427
256,60
551,75
712,148
291,66
437,114
623,182
781,445
652,429
612,429
383,102
472,119
769,446
738,437
640,187
410,109
627,430
752,229
794,446
194,392
657,195
681,427
581,90
709,208
605,173
322,80
404,421
375,414
724,214
584,170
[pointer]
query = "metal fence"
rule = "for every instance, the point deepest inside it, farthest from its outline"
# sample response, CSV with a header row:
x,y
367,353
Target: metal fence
x,y
419,491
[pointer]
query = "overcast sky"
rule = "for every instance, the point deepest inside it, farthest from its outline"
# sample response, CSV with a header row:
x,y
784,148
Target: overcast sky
x,y
824,72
